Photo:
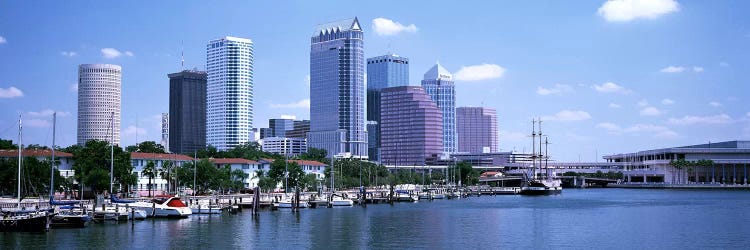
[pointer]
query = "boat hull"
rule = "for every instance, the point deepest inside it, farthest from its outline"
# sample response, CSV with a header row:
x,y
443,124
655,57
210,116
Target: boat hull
x,y
69,221
540,190
36,223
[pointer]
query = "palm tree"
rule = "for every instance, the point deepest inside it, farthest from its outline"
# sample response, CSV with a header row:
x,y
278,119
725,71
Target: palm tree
x,y
149,171
164,172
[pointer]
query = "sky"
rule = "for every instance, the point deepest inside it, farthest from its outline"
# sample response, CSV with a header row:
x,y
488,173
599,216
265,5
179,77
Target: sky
x,y
605,76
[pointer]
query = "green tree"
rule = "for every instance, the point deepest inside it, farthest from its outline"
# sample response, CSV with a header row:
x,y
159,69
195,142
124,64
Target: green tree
x,y
149,171
146,147
7,144
315,154
92,165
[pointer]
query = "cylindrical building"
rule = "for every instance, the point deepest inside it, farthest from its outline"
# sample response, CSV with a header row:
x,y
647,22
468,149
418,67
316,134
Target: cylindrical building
x,y
99,91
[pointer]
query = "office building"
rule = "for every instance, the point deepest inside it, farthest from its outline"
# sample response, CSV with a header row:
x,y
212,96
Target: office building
x,y
382,72
279,127
187,111
229,106
411,126
285,146
337,89
300,130
476,129
99,102
438,83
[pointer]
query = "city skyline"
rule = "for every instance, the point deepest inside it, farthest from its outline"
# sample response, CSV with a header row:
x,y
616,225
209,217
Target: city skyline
x,y
603,83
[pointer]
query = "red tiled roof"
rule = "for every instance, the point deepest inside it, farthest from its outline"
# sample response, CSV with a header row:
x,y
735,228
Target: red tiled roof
x,y
308,163
33,153
153,156
232,161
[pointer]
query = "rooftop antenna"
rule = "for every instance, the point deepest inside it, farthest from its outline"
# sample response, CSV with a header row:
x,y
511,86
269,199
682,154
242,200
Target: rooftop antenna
x,y
182,56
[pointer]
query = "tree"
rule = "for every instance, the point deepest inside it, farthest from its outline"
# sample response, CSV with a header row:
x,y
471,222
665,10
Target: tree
x,y
7,144
315,154
92,165
146,147
265,183
238,179
149,171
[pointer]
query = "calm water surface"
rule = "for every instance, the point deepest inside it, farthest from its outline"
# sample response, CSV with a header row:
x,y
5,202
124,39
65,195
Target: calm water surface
x,y
588,219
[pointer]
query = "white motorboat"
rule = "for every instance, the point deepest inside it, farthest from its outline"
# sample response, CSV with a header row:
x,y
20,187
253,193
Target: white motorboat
x,y
288,203
168,206
338,201
205,209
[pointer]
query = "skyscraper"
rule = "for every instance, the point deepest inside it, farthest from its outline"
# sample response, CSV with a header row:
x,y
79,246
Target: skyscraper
x,y
187,111
477,129
165,131
382,72
411,126
229,107
280,126
438,83
99,90
337,89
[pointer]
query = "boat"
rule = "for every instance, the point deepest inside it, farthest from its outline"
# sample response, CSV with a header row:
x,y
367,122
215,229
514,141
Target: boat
x,y
164,206
505,190
437,196
289,203
403,195
68,215
22,219
340,201
198,208
534,185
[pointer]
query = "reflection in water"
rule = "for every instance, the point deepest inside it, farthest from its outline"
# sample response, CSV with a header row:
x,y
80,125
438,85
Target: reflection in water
x,y
591,218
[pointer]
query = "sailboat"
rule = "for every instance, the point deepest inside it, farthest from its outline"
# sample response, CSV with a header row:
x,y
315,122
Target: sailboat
x,y
23,219
534,185
110,212
68,215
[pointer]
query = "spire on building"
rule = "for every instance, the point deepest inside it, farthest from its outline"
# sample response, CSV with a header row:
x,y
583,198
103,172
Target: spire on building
x,y
437,72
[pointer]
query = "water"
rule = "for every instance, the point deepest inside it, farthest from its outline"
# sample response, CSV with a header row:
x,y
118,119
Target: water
x,y
590,219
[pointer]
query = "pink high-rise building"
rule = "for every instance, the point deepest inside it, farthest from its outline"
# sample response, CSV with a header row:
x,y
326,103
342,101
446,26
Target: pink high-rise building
x,y
411,126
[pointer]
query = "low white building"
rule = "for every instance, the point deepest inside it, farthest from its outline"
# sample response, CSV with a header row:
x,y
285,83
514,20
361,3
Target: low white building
x,y
284,146
65,160
159,185
247,166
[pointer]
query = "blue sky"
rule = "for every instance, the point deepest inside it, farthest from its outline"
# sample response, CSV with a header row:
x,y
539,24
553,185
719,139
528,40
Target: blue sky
x,y
608,77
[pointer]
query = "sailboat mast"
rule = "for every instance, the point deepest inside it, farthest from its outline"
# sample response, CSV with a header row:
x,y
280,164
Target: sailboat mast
x,y
533,148
52,166
112,154
20,148
195,170
540,145
546,158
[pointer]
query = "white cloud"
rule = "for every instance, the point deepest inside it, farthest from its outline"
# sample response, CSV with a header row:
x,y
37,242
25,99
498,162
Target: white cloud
x,y
667,101
110,53
610,87
508,136
479,72
614,105
2,40
651,111
133,130
47,113
673,69
304,103
10,92
568,115
128,53
714,104
697,69
74,87
628,10
610,127
68,53
387,27
642,103
557,89
37,123
293,117
690,120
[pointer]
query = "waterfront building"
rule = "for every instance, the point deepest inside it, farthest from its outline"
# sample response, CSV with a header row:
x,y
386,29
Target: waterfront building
x,y
279,127
64,164
284,145
476,129
248,167
300,130
382,72
187,111
229,105
159,186
439,85
99,102
337,89
411,126
730,164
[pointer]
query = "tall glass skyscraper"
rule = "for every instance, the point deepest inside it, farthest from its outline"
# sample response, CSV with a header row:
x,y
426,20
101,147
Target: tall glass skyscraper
x,y
337,89
382,72
187,111
477,129
99,89
411,126
438,83
229,95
